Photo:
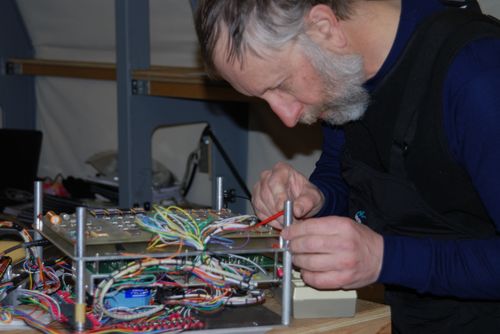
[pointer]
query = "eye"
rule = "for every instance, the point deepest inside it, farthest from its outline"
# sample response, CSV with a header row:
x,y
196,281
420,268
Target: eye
x,y
282,87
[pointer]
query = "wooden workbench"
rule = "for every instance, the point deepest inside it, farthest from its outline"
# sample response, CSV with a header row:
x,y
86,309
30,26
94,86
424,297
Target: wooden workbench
x,y
370,318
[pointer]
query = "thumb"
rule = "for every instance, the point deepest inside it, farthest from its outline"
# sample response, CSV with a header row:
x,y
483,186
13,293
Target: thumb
x,y
298,209
307,204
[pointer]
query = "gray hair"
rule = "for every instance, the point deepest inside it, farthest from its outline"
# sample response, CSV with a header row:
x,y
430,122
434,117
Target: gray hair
x,y
254,25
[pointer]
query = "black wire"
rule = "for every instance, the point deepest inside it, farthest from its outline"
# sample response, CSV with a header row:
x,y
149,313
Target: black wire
x,y
208,132
192,163
191,179
26,245
11,249
243,197
248,199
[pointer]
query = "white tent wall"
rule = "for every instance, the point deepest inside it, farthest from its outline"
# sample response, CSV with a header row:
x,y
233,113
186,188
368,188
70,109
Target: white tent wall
x,y
79,118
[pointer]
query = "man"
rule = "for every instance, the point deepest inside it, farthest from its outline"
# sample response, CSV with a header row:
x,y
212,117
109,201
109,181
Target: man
x,y
406,190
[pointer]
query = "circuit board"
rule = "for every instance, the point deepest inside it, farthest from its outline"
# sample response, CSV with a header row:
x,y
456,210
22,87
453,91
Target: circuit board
x,y
103,226
118,226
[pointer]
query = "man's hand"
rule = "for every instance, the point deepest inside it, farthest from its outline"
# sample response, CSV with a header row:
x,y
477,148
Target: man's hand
x,y
282,183
335,252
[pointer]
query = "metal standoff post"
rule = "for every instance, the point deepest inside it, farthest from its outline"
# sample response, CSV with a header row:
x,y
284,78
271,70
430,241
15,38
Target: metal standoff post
x,y
286,301
219,204
37,214
81,218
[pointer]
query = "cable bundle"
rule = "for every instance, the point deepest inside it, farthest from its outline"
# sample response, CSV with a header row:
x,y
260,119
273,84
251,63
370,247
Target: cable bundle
x,y
174,225
215,293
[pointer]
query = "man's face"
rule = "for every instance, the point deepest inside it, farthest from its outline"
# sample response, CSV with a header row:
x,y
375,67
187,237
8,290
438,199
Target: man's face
x,y
299,87
345,98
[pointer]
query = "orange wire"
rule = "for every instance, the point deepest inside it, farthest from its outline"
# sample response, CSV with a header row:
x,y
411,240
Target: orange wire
x,y
40,267
269,219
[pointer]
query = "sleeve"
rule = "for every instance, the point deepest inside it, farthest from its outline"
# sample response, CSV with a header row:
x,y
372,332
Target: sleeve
x,y
327,174
471,120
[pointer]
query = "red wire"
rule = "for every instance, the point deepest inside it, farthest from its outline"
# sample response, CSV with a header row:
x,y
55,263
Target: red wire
x,y
269,219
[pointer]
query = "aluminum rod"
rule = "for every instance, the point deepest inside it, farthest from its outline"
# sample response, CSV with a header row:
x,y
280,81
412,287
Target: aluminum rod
x,y
220,194
81,218
37,214
286,301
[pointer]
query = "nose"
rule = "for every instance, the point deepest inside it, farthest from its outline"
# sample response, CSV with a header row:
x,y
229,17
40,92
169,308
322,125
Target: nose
x,y
285,106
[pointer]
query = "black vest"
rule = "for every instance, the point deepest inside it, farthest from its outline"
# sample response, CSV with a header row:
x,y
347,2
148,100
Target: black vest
x,y
404,181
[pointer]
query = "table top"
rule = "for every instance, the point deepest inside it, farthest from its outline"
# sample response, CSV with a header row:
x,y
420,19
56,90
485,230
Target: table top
x,y
370,318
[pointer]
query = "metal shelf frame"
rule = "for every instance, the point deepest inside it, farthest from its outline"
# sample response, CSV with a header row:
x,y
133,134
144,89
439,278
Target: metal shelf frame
x,y
149,97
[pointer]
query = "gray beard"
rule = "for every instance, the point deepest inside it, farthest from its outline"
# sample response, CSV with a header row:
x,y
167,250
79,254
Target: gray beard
x,y
345,98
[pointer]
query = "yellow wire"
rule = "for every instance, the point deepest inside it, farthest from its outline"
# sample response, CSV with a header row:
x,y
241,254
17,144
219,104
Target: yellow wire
x,y
191,219
174,226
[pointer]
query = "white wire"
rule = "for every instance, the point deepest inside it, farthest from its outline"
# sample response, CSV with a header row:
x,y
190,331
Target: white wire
x,y
47,297
248,260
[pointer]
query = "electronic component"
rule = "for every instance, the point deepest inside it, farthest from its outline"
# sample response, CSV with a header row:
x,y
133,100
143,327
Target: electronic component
x,y
312,303
103,226
149,270
129,298
119,226
53,218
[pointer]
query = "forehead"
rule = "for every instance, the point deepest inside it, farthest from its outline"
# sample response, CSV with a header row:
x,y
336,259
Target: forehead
x,y
251,70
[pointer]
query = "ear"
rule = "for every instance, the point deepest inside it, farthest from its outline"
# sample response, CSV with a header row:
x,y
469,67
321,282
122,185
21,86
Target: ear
x,y
324,28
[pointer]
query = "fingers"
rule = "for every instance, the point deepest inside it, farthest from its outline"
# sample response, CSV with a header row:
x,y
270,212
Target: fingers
x,y
280,183
317,226
272,190
308,202
314,244
335,252
277,224
325,261
259,205
328,279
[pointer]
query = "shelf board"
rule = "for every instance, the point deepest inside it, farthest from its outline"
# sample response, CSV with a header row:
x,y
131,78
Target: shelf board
x,y
185,82
167,81
62,68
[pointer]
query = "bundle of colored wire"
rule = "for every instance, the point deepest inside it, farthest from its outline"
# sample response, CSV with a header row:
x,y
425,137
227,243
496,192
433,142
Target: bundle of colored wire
x,y
217,278
6,223
250,268
3,289
43,299
252,297
170,322
204,299
10,313
46,277
174,225
5,316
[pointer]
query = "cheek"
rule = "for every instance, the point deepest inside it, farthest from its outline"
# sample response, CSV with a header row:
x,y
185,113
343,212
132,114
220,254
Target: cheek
x,y
309,89
311,97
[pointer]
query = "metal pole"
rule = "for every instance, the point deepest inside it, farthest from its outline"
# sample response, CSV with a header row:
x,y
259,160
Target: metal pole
x,y
37,214
81,218
286,297
219,204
